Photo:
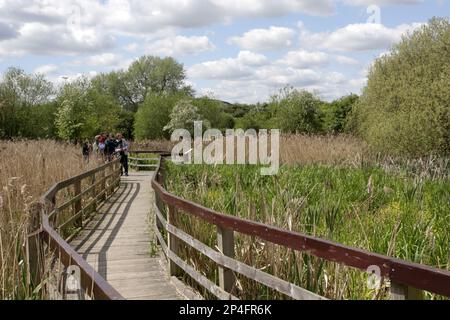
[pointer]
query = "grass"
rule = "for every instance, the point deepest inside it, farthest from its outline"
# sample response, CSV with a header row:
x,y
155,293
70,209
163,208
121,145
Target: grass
x,y
28,169
379,207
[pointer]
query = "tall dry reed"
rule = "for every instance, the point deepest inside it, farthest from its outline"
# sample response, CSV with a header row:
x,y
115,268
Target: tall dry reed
x,y
27,170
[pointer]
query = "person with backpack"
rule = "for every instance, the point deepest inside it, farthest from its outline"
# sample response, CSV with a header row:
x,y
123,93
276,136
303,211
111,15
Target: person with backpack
x,y
110,147
122,148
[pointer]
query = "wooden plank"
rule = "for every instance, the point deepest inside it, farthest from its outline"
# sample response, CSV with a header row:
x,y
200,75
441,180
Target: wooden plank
x,y
402,292
264,278
77,204
117,243
173,243
194,274
225,243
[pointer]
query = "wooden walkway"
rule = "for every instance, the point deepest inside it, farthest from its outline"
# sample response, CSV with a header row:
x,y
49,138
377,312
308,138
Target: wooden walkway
x,y
117,243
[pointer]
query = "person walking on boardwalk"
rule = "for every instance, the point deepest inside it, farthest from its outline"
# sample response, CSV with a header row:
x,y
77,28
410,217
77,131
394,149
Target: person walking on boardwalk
x,y
87,149
122,148
110,147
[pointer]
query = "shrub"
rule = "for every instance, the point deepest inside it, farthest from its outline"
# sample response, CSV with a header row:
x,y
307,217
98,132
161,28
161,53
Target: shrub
x,y
405,108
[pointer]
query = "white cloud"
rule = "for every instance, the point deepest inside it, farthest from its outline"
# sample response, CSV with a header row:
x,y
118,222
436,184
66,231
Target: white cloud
x,y
47,69
265,39
180,45
252,77
303,59
37,38
273,8
251,59
346,60
356,37
102,60
381,2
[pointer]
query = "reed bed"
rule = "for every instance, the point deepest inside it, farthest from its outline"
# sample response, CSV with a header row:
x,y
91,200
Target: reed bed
x,y
396,207
27,170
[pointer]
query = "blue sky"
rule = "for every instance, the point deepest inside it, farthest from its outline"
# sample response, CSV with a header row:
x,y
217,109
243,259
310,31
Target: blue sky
x,y
239,51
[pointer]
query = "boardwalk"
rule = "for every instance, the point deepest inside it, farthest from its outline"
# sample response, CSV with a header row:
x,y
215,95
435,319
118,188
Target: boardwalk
x,y
117,243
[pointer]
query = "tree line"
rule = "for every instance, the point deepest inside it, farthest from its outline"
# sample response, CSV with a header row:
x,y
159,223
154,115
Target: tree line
x,y
403,110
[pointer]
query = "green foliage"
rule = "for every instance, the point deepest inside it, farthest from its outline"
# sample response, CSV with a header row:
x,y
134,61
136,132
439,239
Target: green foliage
x,y
155,75
25,107
85,112
336,113
405,108
212,111
297,111
153,115
401,216
183,116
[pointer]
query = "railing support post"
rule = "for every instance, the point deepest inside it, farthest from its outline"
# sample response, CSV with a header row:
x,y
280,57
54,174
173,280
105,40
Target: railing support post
x,y
77,204
34,245
225,242
93,193
404,292
173,242
103,184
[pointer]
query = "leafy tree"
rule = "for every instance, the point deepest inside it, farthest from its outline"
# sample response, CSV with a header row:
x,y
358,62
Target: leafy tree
x,y
28,89
336,113
296,111
25,108
183,116
85,112
211,110
154,114
405,108
156,75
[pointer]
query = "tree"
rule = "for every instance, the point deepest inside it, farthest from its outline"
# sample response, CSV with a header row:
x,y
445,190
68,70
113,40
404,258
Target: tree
x,y
183,116
156,75
154,114
296,111
25,107
405,108
211,110
72,120
337,112
85,112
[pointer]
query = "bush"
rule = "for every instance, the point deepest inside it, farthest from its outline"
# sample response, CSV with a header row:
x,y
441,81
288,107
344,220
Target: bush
x,y
405,108
297,111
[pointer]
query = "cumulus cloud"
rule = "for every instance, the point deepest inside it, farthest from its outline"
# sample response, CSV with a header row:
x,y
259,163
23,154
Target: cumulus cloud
x,y
356,37
229,68
100,60
36,38
47,69
273,8
381,2
346,60
303,59
251,77
265,39
180,45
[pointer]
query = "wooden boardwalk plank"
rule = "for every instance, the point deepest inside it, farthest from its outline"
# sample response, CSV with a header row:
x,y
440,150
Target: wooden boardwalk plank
x,y
117,243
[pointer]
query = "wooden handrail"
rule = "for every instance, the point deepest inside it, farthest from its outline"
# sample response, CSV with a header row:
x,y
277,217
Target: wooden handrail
x,y
402,273
90,280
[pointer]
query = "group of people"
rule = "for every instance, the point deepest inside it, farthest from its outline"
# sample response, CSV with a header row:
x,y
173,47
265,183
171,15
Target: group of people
x,y
108,147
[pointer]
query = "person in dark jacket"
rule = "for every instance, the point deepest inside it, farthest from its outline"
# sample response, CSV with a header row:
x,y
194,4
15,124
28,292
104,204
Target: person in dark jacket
x,y
110,147
122,148
87,149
